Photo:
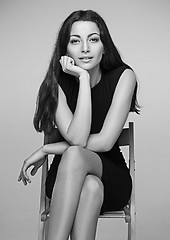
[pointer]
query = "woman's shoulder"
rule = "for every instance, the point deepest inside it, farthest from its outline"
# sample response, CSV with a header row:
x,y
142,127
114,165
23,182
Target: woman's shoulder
x,y
112,77
117,72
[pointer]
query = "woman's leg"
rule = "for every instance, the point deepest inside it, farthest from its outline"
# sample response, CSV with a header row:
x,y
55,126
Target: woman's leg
x,y
75,165
86,218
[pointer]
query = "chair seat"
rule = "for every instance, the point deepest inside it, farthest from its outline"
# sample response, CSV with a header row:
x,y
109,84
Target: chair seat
x,y
125,213
113,214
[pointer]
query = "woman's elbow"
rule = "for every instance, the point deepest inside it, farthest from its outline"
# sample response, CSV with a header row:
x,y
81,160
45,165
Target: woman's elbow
x,y
104,144
105,148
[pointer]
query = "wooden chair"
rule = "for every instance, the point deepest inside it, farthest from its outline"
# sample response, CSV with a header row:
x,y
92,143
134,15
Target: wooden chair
x,y
128,213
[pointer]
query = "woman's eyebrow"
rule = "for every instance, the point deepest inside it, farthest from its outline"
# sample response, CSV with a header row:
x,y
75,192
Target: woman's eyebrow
x,y
76,35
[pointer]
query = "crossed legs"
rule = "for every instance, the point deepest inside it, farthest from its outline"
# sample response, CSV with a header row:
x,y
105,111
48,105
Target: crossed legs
x,y
77,196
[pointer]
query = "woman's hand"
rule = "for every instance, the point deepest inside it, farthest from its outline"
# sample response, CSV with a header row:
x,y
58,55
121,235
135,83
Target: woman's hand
x,y
69,67
36,159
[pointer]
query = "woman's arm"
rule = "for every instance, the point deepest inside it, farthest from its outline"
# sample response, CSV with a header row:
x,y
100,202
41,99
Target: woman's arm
x,y
55,148
37,159
75,128
116,116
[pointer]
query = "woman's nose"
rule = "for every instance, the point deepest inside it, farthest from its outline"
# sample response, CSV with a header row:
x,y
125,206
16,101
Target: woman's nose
x,y
85,47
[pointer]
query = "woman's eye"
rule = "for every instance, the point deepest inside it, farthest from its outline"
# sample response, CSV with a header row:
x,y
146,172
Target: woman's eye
x,y
94,39
74,41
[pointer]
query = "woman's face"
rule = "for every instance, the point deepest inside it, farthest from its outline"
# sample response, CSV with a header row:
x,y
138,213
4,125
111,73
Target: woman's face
x,y
85,45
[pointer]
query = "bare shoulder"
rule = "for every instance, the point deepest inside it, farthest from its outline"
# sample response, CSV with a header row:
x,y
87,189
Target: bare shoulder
x,y
128,74
126,83
127,80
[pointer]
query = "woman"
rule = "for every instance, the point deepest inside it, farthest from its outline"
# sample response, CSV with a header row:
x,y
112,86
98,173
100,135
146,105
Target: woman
x,y
87,94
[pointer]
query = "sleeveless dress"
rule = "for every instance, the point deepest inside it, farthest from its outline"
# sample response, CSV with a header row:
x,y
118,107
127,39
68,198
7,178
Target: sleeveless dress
x,y
115,177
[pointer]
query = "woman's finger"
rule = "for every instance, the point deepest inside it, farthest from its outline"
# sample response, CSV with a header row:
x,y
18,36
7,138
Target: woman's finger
x,y
66,62
20,175
23,174
26,177
69,62
21,178
24,181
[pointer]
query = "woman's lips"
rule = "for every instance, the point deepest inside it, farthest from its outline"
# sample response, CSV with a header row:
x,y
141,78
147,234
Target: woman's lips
x,y
85,59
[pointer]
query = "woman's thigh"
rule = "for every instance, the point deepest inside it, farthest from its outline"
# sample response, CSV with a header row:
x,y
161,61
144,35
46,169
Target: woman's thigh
x,y
81,159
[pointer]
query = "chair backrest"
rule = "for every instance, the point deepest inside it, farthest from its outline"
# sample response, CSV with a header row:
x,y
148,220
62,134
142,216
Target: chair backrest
x,y
44,201
126,138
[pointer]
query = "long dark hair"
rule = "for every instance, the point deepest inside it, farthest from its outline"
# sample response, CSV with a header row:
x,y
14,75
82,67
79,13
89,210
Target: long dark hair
x,y
44,118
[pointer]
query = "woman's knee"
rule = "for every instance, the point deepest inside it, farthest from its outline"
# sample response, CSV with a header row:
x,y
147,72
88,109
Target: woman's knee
x,y
72,160
93,188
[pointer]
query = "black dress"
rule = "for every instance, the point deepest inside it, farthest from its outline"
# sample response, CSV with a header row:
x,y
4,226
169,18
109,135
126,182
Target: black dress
x,y
115,177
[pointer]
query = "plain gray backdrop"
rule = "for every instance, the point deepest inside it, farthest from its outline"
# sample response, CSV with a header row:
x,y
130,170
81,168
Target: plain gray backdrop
x,y
140,30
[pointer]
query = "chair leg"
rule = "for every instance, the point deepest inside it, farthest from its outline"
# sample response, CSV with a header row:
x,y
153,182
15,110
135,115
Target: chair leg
x,y
131,231
41,231
46,229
